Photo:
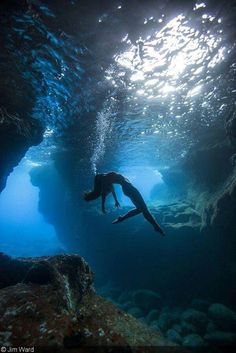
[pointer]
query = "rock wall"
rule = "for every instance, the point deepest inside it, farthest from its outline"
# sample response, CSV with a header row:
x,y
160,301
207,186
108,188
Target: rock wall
x,y
18,130
16,136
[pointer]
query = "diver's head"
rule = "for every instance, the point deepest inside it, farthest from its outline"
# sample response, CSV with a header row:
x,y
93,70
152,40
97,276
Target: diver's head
x,y
97,189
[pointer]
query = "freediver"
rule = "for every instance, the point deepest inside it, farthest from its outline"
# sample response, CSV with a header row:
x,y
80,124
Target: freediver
x,y
103,185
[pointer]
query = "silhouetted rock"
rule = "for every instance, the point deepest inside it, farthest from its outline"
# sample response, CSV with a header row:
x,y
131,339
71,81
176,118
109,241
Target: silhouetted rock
x,y
17,134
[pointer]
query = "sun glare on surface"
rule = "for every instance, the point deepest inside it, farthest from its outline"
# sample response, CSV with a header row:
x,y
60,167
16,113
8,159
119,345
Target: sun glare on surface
x,y
174,54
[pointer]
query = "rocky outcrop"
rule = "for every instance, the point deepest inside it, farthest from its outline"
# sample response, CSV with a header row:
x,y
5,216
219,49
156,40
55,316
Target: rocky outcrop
x,y
50,302
16,136
230,127
219,212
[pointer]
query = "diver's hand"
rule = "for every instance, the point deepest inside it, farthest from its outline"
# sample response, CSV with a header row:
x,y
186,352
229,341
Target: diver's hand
x,y
117,205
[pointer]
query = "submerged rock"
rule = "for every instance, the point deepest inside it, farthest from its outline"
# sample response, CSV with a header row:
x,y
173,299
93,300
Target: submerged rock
x,y
196,318
125,297
155,326
194,340
152,316
136,312
211,327
187,328
165,321
178,328
146,299
174,336
50,301
127,305
223,316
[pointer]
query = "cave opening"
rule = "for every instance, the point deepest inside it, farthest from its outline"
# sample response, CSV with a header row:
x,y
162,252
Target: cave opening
x,y
24,231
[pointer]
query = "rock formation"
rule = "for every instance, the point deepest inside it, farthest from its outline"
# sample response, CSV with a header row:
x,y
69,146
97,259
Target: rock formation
x,y
50,302
17,134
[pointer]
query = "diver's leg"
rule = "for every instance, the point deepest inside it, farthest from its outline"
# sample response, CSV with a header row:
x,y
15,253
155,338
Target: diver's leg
x,y
129,214
152,220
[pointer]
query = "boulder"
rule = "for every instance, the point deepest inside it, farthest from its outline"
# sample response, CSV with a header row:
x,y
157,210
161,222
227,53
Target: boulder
x,y
136,312
155,326
224,317
211,327
165,321
187,328
178,328
194,341
152,316
196,318
146,299
174,336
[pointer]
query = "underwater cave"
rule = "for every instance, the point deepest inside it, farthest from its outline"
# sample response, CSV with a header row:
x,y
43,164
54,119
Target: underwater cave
x,y
145,89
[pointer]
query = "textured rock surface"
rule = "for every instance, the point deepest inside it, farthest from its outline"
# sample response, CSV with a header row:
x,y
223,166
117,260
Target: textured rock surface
x,y
174,336
223,316
194,340
17,134
196,318
50,302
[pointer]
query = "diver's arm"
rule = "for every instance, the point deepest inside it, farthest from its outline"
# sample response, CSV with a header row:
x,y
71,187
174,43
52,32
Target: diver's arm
x,y
115,198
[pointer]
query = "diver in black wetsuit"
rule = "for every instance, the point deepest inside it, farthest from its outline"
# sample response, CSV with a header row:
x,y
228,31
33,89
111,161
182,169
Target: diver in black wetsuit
x,y
103,185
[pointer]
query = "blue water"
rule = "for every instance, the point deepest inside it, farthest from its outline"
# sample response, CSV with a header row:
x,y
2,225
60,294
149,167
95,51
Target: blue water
x,y
23,229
